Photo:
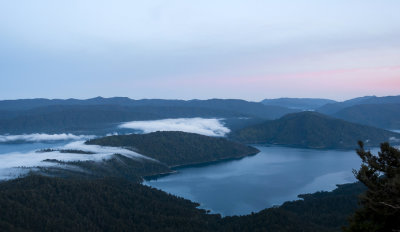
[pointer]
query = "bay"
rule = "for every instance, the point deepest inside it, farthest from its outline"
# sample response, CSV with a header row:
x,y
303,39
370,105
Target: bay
x,y
275,175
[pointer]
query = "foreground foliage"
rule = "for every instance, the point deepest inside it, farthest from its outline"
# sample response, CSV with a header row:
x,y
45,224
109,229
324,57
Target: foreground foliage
x,y
381,202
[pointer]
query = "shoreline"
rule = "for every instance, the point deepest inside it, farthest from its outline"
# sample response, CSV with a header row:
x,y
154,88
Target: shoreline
x,y
175,168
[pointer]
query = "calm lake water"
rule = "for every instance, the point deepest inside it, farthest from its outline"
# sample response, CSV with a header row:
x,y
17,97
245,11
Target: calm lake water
x,y
275,175
237,187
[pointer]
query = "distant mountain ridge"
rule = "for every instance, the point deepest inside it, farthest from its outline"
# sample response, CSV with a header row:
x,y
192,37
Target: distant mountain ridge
x,y
222,104
333,108
71,115
93,115
385,116
298,103
314,130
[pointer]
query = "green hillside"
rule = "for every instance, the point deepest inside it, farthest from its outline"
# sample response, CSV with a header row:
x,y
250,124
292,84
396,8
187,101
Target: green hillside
x,y
118,166
333,108
385,116
178,148
314,130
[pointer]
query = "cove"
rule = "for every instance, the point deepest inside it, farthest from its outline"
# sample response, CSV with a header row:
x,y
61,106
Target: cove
x,y
273,176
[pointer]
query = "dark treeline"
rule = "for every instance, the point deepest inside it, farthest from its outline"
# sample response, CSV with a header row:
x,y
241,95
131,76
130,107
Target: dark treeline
x,y
321,211
118,166
176,148
74,151
37,203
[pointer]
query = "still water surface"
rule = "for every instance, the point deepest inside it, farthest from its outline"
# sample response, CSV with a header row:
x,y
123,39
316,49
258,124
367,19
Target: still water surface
x,y
237,187
275,175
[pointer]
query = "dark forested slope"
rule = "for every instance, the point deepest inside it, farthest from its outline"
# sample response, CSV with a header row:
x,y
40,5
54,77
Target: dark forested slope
x,y
37,203
176,148
321,211
385,116
333,108
118,166
314,130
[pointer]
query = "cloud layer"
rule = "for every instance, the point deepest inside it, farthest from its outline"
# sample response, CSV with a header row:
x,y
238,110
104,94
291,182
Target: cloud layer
x,y
16,163
209,127
37,137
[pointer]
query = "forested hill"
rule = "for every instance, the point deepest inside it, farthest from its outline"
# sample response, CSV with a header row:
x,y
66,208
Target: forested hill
x,y
178,148
37,203
333,108
385,116
314,130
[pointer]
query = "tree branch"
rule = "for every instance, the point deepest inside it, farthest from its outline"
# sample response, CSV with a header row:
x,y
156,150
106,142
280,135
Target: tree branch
x,y
391,206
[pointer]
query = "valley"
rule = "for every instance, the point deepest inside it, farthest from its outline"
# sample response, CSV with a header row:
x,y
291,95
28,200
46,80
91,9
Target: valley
x,y
245,168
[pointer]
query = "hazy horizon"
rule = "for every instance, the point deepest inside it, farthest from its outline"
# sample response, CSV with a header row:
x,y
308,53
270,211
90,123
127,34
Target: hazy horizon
x,y
189,99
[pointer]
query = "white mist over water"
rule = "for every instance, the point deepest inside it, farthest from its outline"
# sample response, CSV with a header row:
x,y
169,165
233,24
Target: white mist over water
x,y
13,164
37,137
18,159
204,126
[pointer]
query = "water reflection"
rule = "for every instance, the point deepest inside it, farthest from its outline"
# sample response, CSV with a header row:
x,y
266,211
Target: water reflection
x,y
275,175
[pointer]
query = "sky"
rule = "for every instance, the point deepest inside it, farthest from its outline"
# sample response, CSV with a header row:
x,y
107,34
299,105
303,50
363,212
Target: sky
x,y
179,49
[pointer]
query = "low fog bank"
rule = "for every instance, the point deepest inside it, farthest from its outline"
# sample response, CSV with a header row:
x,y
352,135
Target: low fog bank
x,y
14,164
38,137
209,127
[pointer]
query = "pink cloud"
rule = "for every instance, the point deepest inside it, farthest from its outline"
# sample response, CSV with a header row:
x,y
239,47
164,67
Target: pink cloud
x,y
336,83
339,84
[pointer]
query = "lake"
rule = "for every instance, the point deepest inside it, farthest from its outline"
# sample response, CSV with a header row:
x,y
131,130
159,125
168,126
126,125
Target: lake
x,y
275,175
235,187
